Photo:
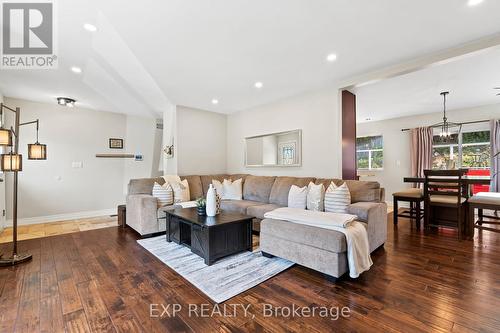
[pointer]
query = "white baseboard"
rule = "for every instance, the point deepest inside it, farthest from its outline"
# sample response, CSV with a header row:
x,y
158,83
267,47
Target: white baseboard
x,y
62,217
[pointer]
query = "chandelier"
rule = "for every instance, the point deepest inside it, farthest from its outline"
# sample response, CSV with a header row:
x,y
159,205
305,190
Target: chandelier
x,y
447,128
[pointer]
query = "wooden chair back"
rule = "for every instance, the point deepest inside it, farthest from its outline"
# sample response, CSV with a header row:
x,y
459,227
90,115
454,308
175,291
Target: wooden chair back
x,y
445,182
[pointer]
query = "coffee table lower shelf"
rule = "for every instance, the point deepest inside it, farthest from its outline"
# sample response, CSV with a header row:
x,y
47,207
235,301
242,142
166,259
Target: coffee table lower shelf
x,y
211,238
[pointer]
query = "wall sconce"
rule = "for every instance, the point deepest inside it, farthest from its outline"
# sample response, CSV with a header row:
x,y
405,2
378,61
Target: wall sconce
x,y
11,162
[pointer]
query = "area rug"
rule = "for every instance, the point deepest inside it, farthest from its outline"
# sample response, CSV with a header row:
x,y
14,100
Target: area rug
x,y
222,280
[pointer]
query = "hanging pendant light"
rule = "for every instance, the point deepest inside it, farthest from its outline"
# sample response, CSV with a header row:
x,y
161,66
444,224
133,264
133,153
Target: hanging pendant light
x,y
11,162
447,129
37,151
5,137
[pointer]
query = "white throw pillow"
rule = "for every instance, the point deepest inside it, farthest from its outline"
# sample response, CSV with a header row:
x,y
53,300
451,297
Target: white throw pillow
x,y
232,190
297,197
337,198
164,194
171,178
218,187
315,197
181,191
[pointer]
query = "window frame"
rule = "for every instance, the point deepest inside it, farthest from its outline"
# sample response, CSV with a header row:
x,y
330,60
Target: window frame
x,y
460,145
370,151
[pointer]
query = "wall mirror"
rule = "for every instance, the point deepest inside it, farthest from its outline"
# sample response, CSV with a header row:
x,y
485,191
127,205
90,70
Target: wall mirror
x,y
282,149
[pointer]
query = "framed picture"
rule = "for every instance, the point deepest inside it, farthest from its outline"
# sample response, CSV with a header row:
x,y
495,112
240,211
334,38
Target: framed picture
x,y
116,143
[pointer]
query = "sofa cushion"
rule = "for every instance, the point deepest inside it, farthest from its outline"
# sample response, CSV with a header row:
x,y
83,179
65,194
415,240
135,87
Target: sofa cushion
x,y
238,206
143,185
195,187
259,211
281,188
321,238
258,188
206,180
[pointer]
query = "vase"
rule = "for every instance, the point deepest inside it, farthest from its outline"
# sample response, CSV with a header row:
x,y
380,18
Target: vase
x,y
211,201
201,210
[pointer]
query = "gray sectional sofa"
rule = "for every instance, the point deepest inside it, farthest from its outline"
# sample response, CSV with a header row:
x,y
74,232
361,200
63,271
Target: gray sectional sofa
x,y
321,250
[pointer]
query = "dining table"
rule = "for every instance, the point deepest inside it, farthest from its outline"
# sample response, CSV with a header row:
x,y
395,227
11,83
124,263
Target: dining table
x,y
469,181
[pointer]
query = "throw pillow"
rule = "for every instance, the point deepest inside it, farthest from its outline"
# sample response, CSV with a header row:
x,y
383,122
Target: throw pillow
x,y
297,197
232,190
163,194
171,178
337,198
218,187
315,197
181,191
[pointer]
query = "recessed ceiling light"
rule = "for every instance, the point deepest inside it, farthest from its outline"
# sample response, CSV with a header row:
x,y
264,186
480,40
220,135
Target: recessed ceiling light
x,y
259,85
215,101
76,70
331,57
472,3
90,27
368,119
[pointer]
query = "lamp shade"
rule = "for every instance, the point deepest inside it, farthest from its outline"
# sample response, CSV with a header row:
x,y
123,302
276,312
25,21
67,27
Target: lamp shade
x,y
37,151
11,162
5,137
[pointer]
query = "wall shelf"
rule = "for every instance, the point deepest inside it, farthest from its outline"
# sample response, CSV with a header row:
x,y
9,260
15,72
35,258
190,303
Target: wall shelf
x,y
115,155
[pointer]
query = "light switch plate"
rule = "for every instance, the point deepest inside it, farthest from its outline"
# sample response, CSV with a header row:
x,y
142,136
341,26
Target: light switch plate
x,y
77,165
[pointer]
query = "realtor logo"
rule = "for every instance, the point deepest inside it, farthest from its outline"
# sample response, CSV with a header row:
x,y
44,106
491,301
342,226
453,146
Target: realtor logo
x,y
28,35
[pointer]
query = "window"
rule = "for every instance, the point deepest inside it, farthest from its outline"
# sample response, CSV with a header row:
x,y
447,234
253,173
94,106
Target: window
x,y
469,150
370,153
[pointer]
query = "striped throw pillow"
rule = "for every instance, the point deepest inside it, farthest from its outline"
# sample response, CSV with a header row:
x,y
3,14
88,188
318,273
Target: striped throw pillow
x,y
163,194
297,197
337,198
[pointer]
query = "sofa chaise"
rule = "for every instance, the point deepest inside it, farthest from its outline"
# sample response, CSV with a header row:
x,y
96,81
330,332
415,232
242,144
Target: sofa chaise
x,y
321,250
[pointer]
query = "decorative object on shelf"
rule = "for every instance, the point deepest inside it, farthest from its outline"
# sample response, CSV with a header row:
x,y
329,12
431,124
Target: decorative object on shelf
x,y
497,88
211,201
448,129
138,157
13,162
201,206
66,101
115,143
169,151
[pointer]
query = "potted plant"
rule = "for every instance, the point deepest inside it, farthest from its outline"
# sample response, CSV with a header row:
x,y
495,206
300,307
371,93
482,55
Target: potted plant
x,y
201,204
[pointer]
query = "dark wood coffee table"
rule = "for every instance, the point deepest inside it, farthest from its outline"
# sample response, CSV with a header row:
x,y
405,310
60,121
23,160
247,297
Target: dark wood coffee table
x,y
210,237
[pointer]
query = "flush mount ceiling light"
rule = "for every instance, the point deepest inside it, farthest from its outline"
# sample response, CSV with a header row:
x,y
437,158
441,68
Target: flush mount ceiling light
x,y
473,3
66,101
331,57
90,27
259,85
76,70
215,101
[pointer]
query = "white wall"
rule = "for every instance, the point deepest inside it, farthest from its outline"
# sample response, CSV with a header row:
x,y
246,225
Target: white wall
x,y
53,189
141,138
200,142
170,138
397,143
316,113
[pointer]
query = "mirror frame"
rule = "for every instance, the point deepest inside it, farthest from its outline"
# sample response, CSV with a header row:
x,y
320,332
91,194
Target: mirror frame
x,y
299,143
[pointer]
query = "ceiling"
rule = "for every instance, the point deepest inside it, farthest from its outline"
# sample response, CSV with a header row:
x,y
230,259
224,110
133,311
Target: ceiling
x,y
148,53
469,80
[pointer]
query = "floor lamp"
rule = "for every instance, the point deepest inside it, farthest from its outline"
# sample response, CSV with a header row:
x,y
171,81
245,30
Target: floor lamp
x,y
13,162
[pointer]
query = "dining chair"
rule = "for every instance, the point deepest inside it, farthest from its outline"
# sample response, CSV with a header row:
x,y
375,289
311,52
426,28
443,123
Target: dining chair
x,y
414,197
482,201
445,197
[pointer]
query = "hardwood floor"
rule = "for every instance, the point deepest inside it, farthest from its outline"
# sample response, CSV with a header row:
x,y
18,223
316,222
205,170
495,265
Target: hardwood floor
x,y
58,228
101,280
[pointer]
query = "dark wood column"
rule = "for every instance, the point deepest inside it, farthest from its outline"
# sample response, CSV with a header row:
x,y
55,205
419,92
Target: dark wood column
x,y
349,135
